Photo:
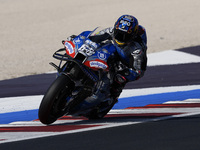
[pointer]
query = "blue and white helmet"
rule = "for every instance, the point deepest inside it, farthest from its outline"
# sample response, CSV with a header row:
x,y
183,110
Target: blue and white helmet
x,y
125,29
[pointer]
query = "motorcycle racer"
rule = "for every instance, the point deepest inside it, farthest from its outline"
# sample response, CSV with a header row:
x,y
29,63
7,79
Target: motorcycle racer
x,y
131,42
126,35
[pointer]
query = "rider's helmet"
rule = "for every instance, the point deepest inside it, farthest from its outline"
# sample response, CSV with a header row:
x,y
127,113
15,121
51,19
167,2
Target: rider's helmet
x,y
125,29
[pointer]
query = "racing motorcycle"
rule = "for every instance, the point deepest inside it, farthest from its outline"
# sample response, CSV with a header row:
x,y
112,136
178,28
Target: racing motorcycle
x,y
84,75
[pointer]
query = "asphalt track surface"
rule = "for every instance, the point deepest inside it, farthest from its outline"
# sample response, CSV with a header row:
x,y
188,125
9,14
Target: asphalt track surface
x,y
171,134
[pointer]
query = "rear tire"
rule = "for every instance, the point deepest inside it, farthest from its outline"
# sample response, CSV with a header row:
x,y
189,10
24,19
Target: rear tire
x,y
53,102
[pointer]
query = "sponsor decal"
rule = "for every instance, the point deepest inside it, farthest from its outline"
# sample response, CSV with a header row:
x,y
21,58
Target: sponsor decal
x,y
97,64
69,47
77,41
124,23
93,44
138,51
129,18
101,56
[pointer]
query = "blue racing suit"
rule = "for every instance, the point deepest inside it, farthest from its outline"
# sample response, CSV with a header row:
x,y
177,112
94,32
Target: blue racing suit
x,y
132,55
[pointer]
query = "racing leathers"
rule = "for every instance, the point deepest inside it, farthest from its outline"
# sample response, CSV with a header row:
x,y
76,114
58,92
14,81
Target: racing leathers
x,y
132,60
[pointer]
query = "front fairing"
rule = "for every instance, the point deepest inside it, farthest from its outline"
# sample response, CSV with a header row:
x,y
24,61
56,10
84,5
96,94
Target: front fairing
x,y
99,60
96,55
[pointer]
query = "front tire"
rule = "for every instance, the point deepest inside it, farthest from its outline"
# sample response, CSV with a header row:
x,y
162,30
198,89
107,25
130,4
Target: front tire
x,y
53,102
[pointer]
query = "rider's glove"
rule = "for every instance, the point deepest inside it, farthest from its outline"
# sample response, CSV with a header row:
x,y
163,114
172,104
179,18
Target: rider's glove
x,y
120,79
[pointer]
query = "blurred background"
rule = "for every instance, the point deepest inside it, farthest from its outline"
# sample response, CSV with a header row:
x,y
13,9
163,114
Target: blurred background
x,y
32,30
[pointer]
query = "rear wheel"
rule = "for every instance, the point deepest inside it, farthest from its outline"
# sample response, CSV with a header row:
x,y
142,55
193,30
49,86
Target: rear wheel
x,y
54,101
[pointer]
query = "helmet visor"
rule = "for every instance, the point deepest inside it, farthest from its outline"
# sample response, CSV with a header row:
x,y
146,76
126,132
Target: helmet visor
x,y
122,36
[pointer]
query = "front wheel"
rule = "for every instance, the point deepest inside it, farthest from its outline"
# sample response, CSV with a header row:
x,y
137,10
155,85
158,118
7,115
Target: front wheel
x,y
54,101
